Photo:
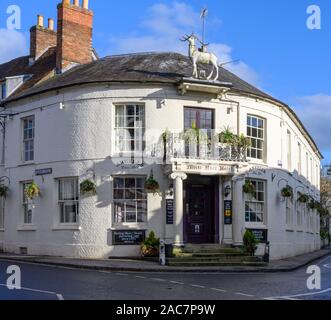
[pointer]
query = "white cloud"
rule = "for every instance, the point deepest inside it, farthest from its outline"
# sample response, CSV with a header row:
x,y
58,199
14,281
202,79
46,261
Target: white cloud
x,y
12,44
315,113
162,28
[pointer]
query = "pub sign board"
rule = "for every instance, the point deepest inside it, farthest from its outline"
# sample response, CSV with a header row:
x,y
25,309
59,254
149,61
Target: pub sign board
x,y
43,172
261,235
170,211
227,212
128,237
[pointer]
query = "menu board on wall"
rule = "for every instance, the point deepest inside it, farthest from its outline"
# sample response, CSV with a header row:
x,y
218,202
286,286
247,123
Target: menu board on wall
x,y
128,237
227,212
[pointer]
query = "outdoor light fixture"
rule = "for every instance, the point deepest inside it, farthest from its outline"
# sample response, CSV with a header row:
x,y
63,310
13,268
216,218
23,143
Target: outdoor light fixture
x,y
61,106
227,190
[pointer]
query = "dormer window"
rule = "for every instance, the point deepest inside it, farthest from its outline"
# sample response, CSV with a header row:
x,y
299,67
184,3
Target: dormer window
x,y
3,91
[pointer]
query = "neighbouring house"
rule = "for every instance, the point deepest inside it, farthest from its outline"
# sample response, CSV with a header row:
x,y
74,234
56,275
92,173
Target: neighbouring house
x,y
123,145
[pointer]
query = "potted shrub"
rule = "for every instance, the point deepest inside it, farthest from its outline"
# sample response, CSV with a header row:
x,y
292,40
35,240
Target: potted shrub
x,y
88,187
287,192
150,247
227,136
194,135
4,191
250,242
303,198
32,191
151,185
243,142
249,188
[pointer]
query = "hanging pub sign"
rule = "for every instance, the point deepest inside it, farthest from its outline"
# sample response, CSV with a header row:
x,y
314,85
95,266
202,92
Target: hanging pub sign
x,y
128,237
227,212
170,211
261,235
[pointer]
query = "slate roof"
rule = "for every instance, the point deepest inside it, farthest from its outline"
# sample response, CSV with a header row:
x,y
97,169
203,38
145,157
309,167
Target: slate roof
x,y
143,68
164,68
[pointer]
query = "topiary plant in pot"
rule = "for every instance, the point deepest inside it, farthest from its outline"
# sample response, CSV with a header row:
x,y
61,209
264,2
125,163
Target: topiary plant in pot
x,y
150,247
250,242
88,187
32,191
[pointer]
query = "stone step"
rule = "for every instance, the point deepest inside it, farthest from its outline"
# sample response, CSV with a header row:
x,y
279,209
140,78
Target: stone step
x,y
215,259
218,254
215,264
211,251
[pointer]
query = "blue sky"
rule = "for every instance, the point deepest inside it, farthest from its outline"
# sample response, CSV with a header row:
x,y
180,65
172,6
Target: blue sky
x,y
277,51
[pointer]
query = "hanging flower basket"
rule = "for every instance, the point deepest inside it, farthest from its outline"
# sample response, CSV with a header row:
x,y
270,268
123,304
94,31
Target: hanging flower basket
x,y
303,198
151,185
249,188
32,191
4,190
287,192
88,187
312,204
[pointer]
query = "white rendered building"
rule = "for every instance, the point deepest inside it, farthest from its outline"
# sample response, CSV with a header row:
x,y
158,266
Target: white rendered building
x,y
103,121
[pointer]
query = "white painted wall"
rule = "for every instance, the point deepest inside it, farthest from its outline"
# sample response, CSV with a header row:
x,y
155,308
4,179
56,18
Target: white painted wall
x,y
80,137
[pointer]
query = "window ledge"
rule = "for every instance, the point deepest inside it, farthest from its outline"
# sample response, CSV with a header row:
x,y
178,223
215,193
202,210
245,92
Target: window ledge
x,y
25,164
289,230
301,231
134,226
2,230
27,228
69,227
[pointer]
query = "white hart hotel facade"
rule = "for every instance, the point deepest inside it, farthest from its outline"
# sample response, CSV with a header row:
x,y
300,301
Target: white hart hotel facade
x,y
68,116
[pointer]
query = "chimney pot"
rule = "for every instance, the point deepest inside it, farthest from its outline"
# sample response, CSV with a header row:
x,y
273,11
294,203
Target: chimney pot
x,y
76,3
40,22
85,4
51,24
66,1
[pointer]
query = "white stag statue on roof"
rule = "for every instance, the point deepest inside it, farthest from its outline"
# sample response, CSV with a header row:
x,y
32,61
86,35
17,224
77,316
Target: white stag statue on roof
x,y
201,56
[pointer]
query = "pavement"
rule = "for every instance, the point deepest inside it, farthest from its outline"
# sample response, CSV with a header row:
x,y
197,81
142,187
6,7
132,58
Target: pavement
x,y
44,282
132,265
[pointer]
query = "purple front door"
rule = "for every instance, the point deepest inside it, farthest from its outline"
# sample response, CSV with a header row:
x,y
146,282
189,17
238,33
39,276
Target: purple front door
x,y
199,214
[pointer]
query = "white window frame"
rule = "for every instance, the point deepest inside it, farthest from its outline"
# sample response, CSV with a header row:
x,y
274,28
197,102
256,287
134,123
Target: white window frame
x,y
289,150
299,158
253,201
124,201
2,213
28,207
75,201
289,214
28,140
121,131
257,139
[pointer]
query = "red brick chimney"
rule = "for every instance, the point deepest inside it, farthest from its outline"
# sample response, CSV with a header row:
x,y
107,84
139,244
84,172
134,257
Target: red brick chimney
x,y
74,36
42,38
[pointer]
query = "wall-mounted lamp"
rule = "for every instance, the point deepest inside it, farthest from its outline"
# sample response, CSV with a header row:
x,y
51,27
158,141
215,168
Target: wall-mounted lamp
x,y
227,191
171,190
61,106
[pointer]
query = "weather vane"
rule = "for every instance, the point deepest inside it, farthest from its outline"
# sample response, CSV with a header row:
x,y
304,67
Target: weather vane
x,y
203,15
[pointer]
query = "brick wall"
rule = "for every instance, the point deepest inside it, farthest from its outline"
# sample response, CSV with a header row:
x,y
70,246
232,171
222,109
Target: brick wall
x,y
74,39
40,39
